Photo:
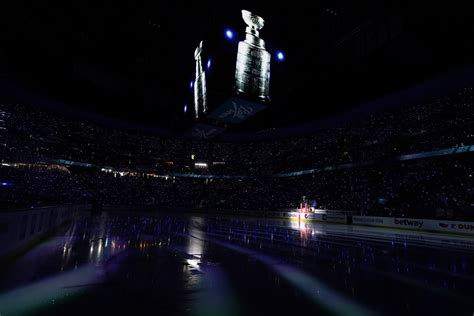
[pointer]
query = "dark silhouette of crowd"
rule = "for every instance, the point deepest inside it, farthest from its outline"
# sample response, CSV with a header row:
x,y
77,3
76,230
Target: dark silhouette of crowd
x,y
47,159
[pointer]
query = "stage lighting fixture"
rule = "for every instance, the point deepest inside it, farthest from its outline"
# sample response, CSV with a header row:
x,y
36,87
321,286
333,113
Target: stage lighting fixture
x,y
280,56
229,34
200,165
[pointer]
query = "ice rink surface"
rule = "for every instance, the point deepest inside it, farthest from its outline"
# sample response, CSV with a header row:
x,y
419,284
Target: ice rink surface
x,y
137,264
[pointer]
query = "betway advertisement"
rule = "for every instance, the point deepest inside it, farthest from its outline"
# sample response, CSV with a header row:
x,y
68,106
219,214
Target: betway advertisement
x,y
416,224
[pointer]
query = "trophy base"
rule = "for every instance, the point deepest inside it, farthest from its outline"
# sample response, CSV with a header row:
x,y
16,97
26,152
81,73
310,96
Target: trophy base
x,y
258,99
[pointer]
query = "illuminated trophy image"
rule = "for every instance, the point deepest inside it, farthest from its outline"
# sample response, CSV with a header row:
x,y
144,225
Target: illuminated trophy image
x,y
200,97
252,73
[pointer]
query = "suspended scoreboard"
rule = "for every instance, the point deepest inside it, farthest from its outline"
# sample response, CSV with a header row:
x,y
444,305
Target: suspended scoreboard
x,y
250,92
236,110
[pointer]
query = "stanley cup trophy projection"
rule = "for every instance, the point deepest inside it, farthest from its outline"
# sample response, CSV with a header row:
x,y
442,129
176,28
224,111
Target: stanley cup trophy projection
x,y
252,73
230,104
200,97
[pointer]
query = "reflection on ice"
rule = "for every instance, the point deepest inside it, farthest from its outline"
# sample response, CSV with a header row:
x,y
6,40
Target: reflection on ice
x,y
206,264
316,290
195,246
52,290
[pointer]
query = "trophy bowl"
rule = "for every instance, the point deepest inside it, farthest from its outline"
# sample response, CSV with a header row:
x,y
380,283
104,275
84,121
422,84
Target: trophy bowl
x,y
252,20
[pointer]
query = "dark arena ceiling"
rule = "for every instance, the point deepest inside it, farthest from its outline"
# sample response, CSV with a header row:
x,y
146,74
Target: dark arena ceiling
x,y
134,61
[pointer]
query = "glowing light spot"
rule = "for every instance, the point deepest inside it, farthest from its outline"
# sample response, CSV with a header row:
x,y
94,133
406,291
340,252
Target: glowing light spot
x,y
229,34
280,56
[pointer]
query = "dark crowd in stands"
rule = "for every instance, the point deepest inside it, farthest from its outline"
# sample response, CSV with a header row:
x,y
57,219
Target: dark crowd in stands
x,y
122,167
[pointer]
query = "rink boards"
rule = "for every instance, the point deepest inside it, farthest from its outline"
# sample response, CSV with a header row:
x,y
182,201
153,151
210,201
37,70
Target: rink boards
x,y
427,225
316,217
19,228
